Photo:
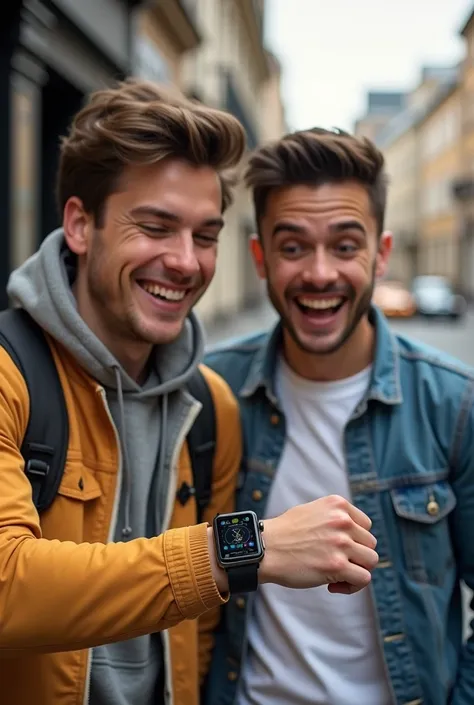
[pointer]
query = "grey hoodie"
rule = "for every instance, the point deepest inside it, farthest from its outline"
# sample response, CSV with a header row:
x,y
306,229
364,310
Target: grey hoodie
x,y
148,419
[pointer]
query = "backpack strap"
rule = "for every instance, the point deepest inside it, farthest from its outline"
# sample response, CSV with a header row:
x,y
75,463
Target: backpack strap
x,y
202,442
45,444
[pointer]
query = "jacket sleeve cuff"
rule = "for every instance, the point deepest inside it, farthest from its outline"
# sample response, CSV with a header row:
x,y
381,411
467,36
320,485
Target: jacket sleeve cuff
x,y
190,573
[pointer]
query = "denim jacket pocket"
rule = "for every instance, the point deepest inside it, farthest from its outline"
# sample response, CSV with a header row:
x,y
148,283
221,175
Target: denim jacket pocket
x,y
423,520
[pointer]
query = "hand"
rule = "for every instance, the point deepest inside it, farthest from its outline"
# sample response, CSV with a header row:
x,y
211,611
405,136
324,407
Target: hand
x,y
325,542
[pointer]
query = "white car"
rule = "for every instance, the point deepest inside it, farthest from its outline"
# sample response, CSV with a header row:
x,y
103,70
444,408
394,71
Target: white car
x,y
434,296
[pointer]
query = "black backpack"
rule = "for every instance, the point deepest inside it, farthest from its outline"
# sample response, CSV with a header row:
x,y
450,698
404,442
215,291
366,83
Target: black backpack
x,y
45,444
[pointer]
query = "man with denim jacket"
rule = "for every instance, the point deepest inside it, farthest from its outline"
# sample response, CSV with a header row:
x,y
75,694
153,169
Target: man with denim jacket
x,y
333,402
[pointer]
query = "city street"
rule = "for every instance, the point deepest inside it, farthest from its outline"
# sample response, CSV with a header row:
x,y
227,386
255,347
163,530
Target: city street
x,y
454,338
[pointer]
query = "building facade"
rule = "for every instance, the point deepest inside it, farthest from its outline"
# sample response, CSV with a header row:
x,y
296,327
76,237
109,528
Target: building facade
x,y
381,107
163,32
232,70
463,185
272,109
440,161
421,145
52,52
402,214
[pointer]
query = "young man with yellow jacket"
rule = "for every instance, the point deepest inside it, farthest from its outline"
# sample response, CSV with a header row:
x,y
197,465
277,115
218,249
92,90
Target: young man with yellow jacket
x,y
99,596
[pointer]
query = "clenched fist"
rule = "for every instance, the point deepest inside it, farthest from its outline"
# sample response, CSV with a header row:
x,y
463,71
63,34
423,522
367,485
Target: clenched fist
x,y
325,542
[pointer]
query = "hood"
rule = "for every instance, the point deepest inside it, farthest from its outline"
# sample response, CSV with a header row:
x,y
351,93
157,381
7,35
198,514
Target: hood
x,y
42,286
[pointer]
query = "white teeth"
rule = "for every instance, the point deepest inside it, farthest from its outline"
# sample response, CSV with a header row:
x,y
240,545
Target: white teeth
x,y
170,294
320,304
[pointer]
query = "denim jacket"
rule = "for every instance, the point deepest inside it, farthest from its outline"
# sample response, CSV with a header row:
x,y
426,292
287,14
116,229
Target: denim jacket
x,y
410,459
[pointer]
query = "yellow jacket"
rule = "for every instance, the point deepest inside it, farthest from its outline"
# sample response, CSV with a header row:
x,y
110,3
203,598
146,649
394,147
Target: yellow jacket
x,y
63,588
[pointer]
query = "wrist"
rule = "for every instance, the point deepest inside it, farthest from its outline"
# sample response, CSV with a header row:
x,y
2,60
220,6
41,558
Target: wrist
x,y
267,573
218,573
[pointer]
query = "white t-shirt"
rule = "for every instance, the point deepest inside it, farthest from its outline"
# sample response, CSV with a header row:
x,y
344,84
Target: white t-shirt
x,y
309,647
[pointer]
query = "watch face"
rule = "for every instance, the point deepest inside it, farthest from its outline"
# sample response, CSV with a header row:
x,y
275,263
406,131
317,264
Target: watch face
x,y
238,537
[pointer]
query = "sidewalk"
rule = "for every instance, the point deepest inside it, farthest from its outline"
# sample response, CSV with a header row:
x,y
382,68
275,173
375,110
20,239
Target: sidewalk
x,y
241,324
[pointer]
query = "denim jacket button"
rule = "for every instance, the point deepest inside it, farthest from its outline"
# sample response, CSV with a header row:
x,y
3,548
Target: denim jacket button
x,y
232,676
274,419
432,507
257,495
240,602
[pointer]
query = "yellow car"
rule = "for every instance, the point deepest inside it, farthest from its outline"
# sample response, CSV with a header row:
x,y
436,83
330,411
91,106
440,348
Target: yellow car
x,y
394,299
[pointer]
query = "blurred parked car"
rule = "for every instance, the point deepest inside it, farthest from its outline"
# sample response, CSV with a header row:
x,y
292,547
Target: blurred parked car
x,y
434,296
394,299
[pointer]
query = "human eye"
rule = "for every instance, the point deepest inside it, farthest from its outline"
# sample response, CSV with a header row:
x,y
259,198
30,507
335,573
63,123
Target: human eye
x,y
347,248
153,229
206,239
292,249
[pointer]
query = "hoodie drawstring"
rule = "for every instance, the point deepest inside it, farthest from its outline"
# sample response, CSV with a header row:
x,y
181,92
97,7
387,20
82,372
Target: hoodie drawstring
x,y
127,477
161,477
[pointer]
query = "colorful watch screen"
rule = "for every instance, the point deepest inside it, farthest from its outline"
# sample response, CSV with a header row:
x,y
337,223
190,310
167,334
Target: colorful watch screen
x,y
238,536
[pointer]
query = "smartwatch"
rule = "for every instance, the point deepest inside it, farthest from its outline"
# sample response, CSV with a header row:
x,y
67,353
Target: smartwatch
x,y
240,548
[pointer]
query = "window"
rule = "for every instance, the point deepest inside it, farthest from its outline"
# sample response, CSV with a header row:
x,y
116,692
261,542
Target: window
x,y
149,64
442,131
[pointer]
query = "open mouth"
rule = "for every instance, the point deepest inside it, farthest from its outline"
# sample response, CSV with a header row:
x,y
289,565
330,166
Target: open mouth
x,y
162,293
320,308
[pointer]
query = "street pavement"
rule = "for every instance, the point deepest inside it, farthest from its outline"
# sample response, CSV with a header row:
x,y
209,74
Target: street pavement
x,y
454,338
241,325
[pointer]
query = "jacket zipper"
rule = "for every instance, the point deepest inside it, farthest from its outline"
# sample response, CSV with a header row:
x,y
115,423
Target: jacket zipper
x,y
187,423
113,524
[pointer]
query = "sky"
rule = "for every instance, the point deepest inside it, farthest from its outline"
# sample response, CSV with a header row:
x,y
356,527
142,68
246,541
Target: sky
x,y
334,51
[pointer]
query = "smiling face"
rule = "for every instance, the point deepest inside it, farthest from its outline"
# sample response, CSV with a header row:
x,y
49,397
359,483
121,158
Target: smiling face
x,y
151,259
320,254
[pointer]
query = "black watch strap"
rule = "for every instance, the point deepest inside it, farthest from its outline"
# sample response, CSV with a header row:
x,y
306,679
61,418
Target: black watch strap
x,y
243,578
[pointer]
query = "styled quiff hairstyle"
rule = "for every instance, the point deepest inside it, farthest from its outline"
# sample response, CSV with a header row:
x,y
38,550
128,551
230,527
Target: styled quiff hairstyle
x,y
140,123
315,157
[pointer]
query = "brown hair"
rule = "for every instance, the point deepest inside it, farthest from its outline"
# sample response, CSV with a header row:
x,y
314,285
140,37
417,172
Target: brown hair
x,y
316,157
141,123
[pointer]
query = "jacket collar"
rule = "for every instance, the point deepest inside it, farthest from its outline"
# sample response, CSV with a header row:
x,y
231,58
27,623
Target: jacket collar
x,y
385,381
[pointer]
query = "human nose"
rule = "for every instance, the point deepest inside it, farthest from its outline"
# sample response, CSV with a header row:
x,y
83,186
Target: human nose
x,y
321,270
181,256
